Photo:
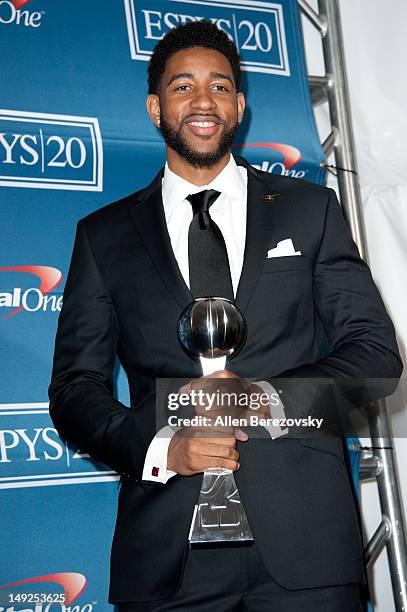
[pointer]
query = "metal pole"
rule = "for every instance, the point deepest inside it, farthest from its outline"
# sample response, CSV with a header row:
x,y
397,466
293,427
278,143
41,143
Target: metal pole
x,y
377,541
329,143
339,109
318,86
389,492
369,468
390,503
318,21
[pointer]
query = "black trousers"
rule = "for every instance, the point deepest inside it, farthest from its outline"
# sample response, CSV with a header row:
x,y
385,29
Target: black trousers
x,y
235,579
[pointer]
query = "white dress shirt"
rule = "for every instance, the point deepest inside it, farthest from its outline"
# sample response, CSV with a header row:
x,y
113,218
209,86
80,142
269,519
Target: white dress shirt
x,y
229,212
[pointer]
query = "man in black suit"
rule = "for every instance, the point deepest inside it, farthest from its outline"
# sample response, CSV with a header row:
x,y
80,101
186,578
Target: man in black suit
x,y
127,285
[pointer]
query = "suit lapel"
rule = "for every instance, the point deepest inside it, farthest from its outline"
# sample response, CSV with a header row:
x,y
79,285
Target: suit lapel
x,y
262,204
149,218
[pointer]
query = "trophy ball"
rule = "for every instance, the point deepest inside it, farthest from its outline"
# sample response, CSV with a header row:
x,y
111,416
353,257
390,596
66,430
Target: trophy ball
x,y
211,327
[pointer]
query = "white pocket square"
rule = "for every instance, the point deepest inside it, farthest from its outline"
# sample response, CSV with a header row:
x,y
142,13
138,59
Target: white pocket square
x,y
284,248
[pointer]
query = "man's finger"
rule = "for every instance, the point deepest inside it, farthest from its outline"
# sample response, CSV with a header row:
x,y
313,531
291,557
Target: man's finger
x,y
219,451
219,462
241,435
185,388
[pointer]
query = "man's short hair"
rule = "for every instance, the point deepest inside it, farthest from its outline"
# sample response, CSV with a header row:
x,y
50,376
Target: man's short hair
x,y
193,34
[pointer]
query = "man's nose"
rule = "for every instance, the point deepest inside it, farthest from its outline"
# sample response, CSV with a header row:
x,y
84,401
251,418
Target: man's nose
x,y
203,100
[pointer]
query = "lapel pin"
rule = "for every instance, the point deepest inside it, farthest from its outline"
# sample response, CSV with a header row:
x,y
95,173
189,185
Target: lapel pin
x,y
269,197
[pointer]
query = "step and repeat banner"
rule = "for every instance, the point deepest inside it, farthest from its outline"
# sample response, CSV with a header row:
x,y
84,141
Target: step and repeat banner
x,y
74,136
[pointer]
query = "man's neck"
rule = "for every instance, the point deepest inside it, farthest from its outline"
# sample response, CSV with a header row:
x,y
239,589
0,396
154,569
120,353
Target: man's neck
x,y
196,176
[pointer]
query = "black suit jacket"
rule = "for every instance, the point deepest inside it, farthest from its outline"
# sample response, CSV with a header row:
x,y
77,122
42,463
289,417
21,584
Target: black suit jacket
x,y
123,296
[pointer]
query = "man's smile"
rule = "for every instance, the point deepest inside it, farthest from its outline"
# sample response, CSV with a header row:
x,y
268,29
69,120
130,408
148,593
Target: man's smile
x,y
204,126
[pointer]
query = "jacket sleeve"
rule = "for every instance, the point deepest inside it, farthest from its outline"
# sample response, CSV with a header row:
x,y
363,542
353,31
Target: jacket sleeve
x,y
363,362
82,405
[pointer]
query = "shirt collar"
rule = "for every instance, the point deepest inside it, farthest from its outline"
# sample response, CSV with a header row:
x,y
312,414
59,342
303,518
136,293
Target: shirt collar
x,y
175,188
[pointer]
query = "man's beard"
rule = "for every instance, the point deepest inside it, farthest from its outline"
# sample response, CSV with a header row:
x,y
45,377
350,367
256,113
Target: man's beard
x,y
175,140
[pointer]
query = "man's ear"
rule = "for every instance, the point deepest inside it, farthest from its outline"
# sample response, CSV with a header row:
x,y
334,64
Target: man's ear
x,y
153,109
241,104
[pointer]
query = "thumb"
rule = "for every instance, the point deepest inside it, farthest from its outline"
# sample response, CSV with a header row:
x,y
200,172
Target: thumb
x,y
241,435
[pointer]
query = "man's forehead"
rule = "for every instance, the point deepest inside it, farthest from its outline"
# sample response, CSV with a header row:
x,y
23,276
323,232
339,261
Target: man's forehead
x,y
198,59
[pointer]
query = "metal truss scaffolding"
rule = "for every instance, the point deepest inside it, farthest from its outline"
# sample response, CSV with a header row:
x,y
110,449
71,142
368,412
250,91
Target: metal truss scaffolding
x,y
381,461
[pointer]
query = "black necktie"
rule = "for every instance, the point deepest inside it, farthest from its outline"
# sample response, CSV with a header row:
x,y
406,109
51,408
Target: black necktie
x,y
209,273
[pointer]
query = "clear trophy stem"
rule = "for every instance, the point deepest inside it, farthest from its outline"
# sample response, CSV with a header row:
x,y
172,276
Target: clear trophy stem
x,y
211,365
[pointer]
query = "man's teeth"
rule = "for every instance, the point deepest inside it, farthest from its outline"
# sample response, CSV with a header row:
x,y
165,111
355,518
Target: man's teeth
x,y
203,123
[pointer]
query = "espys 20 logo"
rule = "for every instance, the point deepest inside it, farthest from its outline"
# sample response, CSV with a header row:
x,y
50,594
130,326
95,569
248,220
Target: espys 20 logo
x,y
47,151
12,12
33,455
257,28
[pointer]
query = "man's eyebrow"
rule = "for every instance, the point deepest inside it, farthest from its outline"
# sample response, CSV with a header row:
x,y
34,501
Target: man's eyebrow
x,y
180,75
189,75
220,75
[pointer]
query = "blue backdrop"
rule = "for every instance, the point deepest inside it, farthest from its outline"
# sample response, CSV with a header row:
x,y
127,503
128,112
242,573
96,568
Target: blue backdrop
x,y
74,135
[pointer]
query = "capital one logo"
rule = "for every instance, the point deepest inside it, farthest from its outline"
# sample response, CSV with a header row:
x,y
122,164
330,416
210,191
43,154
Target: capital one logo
x,y
31,299
11,12
47,151
287,158
73,585
47,598
257,28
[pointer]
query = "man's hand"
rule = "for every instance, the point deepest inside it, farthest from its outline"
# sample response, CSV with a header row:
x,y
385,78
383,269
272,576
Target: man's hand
x,y
216,385
190,453
193,450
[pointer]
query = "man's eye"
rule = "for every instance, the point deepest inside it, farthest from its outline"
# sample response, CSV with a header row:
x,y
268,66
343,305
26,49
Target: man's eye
x,y
182,88
220,88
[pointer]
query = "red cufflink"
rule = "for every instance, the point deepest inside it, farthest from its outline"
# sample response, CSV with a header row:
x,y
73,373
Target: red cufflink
x,y
155,471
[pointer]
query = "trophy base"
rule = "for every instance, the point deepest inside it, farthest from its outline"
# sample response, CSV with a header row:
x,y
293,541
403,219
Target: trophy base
x,y
219,518
220,544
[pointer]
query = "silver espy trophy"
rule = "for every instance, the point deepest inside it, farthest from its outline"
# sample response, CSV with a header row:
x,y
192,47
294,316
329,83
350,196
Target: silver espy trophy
x,y
212,329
